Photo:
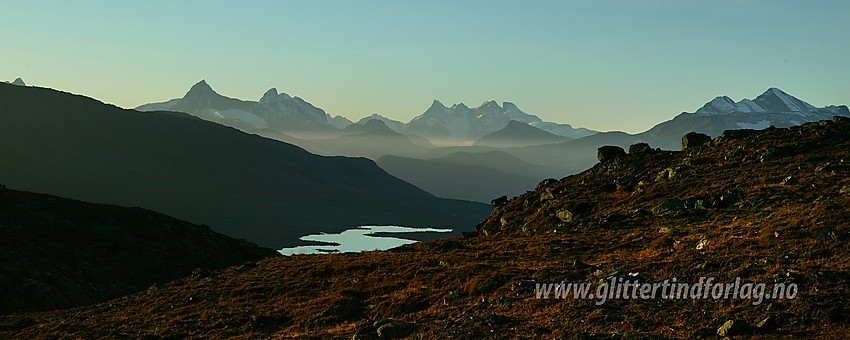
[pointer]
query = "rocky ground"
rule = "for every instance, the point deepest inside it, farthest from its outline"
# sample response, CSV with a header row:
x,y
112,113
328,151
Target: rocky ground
x,y
768,206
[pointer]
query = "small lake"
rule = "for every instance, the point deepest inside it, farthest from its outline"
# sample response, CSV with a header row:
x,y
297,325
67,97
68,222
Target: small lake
x,y
358,239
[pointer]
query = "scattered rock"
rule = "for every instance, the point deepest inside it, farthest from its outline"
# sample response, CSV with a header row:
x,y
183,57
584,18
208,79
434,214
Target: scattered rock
x,y
736,134
734,153
674,205
451,298
698,161
609,152
395,330
766,323
694,139
640,148
790,180
546,195
732,328
499,201
564,215
824,167
545,183
829,234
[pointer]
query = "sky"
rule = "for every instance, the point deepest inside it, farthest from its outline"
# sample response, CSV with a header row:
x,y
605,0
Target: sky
x,y
604,65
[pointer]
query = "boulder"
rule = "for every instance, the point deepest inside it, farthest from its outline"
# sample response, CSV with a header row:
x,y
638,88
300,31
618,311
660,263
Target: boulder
x,y
790,180
732,328
693,139
640,148
565,215
499,201
829,234
609,152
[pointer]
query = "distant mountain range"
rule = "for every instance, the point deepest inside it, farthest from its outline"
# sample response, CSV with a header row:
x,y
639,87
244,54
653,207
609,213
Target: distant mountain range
x,y
274,110
772,108
460,124
242,185
17,81
292,115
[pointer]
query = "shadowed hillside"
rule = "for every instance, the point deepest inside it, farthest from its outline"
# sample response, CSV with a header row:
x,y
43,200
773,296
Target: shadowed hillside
x,y
59,253
242,185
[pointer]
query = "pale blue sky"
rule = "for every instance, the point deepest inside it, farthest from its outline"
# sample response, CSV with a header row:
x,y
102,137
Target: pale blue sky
x,y
605,65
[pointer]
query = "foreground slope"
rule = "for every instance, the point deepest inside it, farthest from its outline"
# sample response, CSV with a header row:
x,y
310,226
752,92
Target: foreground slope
x,y
58,253
242,185
722,210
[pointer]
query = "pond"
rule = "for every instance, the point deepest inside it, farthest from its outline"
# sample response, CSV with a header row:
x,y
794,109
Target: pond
x,y
358,239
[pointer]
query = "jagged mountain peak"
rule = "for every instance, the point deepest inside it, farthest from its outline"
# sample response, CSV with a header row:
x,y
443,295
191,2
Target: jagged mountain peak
x,y
461,106
772,100
200,88
438,104
489,104
509,106
776,100
269,96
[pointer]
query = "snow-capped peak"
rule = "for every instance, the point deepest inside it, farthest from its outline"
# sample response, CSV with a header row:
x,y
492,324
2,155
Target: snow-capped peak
x,y
201,88
490,104
775,100
772,100
270,96
438,104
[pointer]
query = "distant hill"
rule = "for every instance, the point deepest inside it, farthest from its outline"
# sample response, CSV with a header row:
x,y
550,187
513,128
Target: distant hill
x,y
59,253
242,185
475,176
461,181
519,134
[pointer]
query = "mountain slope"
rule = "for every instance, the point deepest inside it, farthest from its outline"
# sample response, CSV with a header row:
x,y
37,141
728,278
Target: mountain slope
x,y
519,134
242,185
59,253
725,212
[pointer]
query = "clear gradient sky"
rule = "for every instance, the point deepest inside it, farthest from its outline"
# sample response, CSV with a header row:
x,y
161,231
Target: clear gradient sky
x,y
605,65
